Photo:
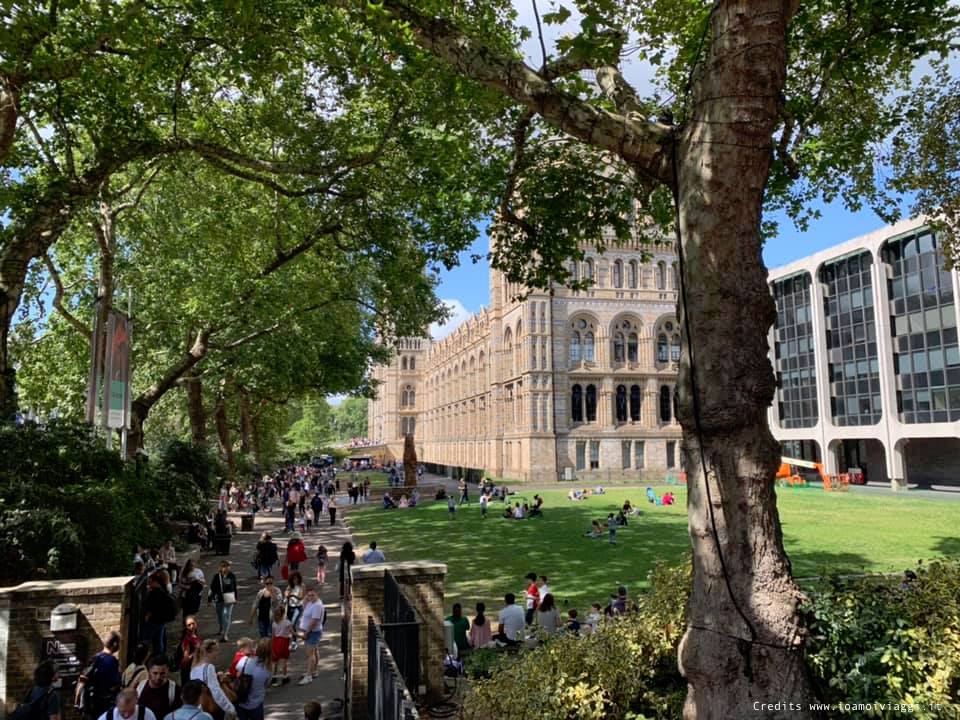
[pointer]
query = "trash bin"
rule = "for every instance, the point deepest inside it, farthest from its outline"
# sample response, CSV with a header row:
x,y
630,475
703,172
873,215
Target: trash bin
x,y
246,522
221,544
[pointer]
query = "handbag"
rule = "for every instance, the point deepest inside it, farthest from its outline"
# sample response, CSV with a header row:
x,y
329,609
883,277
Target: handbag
x,y
229,598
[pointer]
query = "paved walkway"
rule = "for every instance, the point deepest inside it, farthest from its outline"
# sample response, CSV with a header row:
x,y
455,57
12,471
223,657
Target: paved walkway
x,y
285,702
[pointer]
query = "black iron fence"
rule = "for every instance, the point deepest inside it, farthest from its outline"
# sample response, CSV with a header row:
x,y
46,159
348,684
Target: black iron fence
x,y
401,631
134,620
387,697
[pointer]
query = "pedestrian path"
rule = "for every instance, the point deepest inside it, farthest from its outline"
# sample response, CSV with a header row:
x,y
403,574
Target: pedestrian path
x,y
285,702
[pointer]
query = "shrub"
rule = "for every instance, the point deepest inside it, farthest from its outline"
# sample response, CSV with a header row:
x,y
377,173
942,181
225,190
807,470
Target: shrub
x,y
626,666
71,508
874,639
194,460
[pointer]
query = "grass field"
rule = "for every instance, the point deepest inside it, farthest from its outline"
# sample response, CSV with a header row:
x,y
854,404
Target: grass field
x,y
823,532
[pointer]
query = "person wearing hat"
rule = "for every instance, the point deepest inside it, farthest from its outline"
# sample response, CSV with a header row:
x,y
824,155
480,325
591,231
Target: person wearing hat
x,y
223,595
296,552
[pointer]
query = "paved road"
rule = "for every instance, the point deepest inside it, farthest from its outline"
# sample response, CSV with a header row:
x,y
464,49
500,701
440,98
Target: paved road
x,y
285,702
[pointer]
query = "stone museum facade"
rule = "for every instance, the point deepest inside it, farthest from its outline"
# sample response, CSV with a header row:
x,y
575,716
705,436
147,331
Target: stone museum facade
x,y
577,385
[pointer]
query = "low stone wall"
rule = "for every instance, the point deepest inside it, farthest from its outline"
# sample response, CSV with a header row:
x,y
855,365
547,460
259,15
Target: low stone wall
x,y
422,584
26,638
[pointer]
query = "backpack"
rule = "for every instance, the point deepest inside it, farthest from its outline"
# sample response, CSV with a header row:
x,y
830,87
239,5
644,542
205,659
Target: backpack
x,y
243,684
36,710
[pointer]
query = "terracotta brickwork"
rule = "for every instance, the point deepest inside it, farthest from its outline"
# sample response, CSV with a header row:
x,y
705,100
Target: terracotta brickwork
x,y
422,584
498,393
25,622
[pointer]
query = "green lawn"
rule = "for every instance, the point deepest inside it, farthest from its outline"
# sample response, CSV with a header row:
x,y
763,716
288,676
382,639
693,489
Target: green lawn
x,y
486,558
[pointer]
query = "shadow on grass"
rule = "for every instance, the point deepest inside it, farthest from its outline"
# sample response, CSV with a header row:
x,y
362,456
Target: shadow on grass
x,y
948,546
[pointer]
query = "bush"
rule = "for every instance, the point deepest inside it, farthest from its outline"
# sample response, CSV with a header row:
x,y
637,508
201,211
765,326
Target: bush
x,y
193,460
627,668
876,640
71,508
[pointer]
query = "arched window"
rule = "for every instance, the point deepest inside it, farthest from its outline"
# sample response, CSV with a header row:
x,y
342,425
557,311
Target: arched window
x,y
508,352
588,269
576,404
665,404
675,349
619,350
591,403
413,363
661,276
633,343
663,350
575,271
588,345
403,363
635,402
575,347
621,403
413,397
618,273
632,274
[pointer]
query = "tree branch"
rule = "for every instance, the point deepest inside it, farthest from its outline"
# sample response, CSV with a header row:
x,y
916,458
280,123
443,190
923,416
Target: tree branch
x,y
75,322
575,62
643,144
138,197
612,84
285,256
42,144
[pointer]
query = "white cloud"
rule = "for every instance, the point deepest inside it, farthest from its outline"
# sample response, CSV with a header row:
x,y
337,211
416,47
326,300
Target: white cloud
x,y
458,314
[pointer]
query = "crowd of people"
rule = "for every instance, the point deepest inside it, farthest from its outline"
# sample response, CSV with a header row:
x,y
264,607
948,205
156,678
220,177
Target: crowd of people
x,y
537,620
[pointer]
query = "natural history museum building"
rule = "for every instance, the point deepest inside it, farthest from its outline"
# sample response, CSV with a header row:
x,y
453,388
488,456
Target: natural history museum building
x,y
579,384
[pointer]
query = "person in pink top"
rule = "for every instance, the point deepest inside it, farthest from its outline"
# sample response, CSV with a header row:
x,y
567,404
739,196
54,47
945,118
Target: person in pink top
x,y
480,632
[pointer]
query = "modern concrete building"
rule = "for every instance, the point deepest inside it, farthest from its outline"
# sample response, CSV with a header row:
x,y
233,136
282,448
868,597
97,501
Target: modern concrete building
x,y
867,359
578,384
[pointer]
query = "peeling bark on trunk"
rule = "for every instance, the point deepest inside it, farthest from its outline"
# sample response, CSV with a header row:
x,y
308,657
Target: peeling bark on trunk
x,y
195,411
409,462
223,436
744,639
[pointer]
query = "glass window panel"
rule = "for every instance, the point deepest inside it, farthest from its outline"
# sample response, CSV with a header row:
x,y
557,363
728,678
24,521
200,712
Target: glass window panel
x,y
953,356
919,362
935,359
949,316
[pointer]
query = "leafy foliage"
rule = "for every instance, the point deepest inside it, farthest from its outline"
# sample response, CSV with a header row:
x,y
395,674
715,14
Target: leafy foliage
x,y
626,666
873,639
71,508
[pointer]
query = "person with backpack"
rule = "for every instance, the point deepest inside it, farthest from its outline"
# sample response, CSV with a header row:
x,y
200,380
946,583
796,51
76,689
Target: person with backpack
x,y
127,708
223,594
42,701
98,684
253,691
266,555
190,710
137,670
158,692
159,608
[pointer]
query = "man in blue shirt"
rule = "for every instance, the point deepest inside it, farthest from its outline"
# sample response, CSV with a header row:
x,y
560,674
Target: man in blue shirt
x,y
190,710
104,678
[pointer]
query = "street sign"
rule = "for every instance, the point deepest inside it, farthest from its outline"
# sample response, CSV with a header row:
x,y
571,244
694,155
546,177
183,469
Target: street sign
x,y
65,657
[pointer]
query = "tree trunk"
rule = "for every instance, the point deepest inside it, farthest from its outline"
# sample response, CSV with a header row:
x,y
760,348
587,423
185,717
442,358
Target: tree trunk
x,y
255,439
13,273
244,425
744,639
223,436
195,411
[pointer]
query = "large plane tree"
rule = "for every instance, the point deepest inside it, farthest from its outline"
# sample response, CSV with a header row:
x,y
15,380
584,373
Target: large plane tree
x,y
760,104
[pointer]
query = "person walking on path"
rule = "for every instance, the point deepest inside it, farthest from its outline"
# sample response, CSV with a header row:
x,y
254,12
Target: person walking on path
x,y
322,564
311,625
187,649
332,509
190,710
127,709
296,552
158,692
258,668
266,601
223,595
103,678
347,558
280,648
206,672
266,555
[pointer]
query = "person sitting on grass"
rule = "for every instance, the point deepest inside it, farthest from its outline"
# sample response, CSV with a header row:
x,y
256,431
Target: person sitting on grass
x,y
595,531
404,502
573,625
627,507
461,626
519,513
599,490
480,633
388,503
510,630
537,505
621,519
668,498
508,512
414,498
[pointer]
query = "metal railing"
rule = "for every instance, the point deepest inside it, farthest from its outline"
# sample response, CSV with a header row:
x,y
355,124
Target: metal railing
x,y
401,631
387,695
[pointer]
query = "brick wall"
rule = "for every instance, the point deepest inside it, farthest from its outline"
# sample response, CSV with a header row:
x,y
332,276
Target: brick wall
x,y
422,584
25,621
